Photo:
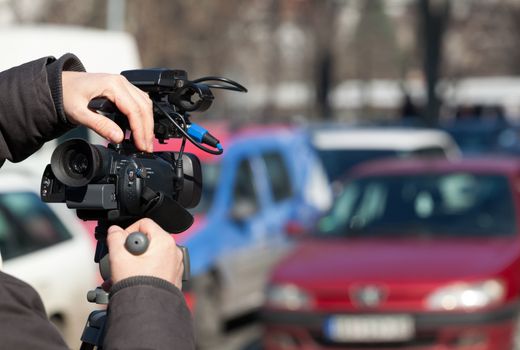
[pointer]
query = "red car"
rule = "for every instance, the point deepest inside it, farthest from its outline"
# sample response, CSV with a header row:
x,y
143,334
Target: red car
x,y
414,254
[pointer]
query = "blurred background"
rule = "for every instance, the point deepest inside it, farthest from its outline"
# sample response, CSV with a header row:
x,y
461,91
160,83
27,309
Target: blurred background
x,y
337,60
434,85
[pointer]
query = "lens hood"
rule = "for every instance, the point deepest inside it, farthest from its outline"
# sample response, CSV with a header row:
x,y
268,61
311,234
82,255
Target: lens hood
x,y
76,162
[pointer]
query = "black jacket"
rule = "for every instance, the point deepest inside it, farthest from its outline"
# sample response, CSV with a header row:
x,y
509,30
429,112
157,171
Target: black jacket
x,y
144,312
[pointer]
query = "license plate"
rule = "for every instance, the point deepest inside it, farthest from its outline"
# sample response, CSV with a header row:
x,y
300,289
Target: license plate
x,y
369,328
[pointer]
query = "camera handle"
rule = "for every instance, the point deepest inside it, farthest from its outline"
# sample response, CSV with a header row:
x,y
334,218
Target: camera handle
x,y
136,243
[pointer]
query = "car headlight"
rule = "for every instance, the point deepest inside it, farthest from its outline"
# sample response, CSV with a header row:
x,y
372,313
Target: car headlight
x,y
467,295
287,296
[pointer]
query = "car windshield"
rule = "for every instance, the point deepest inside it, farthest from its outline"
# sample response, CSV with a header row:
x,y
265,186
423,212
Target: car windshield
x,y
454,204
210,175
338,162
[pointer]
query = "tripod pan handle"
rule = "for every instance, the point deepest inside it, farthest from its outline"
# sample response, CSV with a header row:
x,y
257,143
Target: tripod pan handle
x,y
137,243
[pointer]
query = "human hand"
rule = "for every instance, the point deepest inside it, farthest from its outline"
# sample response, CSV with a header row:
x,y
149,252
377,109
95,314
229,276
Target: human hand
x,y
162,259
80,87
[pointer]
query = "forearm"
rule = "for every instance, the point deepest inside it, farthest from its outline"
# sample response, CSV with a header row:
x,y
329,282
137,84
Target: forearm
x,y
24,322
148,313
31,107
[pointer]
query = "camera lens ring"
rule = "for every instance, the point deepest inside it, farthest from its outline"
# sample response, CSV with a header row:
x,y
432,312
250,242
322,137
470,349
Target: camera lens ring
x,y
75,162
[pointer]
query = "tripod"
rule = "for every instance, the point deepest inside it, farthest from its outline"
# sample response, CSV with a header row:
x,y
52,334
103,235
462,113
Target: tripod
x,y
136,243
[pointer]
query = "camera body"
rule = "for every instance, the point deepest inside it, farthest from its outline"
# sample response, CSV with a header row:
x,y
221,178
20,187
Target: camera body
x,y
117,183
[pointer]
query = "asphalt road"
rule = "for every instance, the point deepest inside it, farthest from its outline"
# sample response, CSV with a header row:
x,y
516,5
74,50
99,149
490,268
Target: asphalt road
x,y
245,338
242,334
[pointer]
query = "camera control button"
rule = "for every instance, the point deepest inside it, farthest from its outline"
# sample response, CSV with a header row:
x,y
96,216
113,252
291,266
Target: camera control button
x,y
141,173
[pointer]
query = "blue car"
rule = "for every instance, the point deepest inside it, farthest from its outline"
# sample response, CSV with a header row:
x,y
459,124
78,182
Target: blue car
x,y
266,181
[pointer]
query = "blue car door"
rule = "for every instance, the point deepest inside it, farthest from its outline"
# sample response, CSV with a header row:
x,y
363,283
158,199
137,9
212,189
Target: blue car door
x,y
278,210
246,230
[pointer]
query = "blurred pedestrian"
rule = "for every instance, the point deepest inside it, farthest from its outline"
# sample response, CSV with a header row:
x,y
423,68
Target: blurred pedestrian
x,y
409,112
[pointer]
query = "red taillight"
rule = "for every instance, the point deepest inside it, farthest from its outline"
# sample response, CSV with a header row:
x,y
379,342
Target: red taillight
x,y
294,229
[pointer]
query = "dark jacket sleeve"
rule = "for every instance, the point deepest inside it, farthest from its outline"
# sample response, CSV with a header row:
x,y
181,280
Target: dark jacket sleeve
x,y
23,322
148,313
31,108
144,313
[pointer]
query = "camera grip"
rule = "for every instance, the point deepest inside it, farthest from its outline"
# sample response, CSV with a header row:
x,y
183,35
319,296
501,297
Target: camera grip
x,y
137,243
186,262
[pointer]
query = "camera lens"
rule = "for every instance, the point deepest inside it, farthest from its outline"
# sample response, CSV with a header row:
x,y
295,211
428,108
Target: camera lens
x,y
79,164
76,162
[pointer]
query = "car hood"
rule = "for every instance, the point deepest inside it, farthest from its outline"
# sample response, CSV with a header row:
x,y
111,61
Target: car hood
x,y
329,261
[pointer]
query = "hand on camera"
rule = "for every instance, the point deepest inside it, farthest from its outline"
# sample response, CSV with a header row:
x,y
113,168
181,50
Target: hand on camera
x,y
162,259
79,88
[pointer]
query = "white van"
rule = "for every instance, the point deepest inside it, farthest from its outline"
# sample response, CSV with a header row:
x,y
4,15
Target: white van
x,y
99,51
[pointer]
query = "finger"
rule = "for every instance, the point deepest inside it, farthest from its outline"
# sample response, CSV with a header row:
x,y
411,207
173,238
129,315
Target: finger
x,y
148,121
146,226
147,116
135,114
180,270
106,285
119,92
116,237
101,125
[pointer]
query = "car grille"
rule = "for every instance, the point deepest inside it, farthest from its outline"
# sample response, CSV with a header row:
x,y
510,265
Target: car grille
x,y
395,296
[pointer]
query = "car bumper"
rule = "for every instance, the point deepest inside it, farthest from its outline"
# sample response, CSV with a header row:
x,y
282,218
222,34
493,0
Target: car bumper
x,y
489,330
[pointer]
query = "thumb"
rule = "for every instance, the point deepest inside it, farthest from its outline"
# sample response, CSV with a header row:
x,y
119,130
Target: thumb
x,y
116,236
103,126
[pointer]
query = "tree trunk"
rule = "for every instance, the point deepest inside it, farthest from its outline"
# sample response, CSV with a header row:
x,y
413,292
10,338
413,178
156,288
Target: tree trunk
x,y
435,16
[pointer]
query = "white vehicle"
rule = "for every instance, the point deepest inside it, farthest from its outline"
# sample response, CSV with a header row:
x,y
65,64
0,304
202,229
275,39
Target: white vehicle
x,y
99,51
342,147
50,250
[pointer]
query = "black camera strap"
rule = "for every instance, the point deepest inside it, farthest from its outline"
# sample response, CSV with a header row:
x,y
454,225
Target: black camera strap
x,y
172,216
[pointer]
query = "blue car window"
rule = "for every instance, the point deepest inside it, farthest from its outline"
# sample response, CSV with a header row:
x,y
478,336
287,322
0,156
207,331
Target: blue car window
x,y
244,193
278,175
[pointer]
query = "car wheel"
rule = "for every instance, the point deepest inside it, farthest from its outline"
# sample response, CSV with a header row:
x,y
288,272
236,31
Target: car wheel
x,y
207,315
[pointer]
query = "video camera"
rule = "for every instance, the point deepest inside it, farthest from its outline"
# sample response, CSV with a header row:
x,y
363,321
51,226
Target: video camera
x,y
119,184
